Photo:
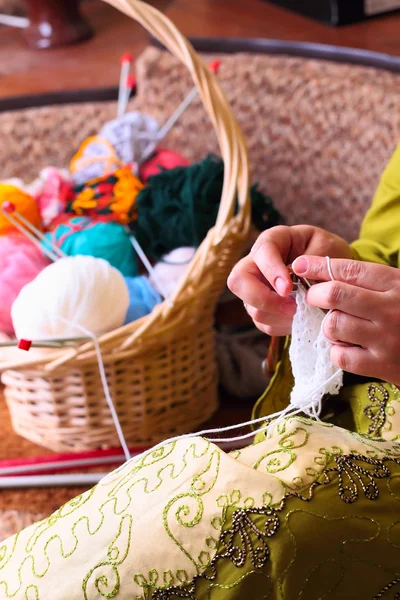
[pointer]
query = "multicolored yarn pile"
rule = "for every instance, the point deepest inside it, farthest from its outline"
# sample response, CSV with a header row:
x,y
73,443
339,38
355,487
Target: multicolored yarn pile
x,y
121,193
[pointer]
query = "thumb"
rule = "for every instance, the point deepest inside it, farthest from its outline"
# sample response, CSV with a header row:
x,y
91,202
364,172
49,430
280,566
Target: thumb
x,y
270,253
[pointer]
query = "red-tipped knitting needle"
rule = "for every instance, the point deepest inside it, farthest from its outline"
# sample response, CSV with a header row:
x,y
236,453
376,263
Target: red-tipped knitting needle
x,y
49,471
166,128
57,463
126,61
130,85
7,209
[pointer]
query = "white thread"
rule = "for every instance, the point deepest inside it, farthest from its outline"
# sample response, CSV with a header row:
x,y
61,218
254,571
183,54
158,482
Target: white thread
x,y
287,412
106,389
329,267
313,408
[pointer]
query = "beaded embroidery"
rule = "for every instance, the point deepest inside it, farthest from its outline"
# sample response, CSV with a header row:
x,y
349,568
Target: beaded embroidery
x,y
236,543
387,588
376,411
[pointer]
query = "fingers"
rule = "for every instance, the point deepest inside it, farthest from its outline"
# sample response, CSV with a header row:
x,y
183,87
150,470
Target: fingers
x,y
354,360
248,283
278,321
269,253
273,331
361,274
335,295
341,327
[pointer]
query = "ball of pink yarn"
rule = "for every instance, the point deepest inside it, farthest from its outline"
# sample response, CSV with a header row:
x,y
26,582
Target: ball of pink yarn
x,y
161,159
20,262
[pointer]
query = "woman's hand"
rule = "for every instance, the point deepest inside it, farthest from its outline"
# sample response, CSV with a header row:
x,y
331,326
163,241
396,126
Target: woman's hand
x,y
262,278
365,300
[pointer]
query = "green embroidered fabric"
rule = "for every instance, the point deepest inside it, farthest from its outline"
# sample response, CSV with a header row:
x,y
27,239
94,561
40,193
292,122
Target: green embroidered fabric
x,y
314,546
304,514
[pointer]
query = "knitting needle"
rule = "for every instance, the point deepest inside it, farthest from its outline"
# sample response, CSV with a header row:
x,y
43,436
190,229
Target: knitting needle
x,y
13,21
130,85
67,461
10,476
30,237
30,231
55,343
126,61
39,481
166,128
149,268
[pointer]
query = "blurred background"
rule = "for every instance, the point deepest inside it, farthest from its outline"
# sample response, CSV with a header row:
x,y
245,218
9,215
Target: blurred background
x,y
106,34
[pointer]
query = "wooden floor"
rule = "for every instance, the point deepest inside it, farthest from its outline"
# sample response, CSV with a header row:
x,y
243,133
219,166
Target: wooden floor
x,y
96,63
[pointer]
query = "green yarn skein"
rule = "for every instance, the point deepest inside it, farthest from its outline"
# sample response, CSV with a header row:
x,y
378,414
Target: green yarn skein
x,y
179,206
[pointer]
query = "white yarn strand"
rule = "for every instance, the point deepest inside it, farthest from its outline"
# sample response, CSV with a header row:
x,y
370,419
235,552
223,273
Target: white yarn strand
x,y
311,404
329,267
106,389
269,428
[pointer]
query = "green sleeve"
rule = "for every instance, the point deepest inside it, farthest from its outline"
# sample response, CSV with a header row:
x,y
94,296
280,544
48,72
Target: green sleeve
x,y
379,239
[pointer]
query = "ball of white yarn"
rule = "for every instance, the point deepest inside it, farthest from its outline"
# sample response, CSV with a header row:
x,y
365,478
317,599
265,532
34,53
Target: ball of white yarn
x,y
80,290
168,272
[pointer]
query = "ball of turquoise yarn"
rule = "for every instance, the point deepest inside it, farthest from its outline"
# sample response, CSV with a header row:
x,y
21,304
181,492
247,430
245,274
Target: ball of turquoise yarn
x,y
108,240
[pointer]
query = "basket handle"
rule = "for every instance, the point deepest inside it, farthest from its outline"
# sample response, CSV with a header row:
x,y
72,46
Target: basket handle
x,y
230,138
232,146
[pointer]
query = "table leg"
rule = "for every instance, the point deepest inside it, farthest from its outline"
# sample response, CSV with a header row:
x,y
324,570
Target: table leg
x,y
55,23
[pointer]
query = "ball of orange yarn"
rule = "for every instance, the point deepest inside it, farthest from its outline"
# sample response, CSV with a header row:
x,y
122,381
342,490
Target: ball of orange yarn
x,y
24,204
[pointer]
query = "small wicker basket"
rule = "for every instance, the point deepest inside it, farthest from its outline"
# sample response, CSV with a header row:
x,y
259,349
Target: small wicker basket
x,y
161,369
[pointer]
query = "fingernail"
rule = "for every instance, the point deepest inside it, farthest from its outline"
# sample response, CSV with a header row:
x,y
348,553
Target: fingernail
x,y
300,265
288,308
281,285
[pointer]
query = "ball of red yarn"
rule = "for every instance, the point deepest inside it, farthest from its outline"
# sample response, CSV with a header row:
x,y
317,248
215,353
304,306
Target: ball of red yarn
x,y
161,159
20,262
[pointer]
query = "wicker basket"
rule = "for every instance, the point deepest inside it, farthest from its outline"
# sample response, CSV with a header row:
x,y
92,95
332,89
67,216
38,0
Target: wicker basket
x,y
161,369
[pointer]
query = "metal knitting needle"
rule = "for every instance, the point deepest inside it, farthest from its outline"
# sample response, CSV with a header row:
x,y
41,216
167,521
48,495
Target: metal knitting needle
x,y
40,481
149,268
126,61
130,85
30,231
66,464
166,128
30,237
55,343
13,21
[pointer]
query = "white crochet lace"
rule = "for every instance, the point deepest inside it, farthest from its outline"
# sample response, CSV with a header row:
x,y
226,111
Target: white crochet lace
x,y
314,373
